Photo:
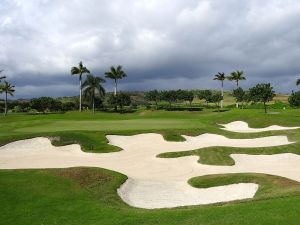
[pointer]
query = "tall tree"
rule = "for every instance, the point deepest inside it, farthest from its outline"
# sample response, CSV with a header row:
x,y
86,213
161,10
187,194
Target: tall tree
x,y
8,89
237,76
298,82
221,77
92,87
115,74
80,70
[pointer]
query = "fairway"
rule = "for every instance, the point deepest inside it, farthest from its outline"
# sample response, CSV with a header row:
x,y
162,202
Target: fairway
x,y
89,195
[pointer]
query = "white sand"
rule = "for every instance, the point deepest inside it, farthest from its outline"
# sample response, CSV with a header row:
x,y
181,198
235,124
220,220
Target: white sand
x,y
243,127
159,182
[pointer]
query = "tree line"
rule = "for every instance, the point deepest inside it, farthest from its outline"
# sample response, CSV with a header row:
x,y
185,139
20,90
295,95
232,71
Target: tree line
x,y
259,93
91,90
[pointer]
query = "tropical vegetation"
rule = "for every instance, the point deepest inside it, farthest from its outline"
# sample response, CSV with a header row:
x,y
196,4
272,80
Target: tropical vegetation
x,y
92,87
7,89
80,70
115,74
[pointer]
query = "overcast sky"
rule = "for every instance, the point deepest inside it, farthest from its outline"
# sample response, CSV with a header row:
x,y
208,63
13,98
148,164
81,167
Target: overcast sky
x,y
162,44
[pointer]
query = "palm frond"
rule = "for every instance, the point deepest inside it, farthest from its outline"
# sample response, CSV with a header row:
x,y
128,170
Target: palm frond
x,y
75,70
7,88
79,70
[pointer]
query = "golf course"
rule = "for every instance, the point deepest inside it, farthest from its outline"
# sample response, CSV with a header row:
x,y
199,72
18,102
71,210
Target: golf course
x,y
149,112
41,193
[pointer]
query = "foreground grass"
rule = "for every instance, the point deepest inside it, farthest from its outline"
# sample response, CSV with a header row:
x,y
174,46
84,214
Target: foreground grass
x,y
88,196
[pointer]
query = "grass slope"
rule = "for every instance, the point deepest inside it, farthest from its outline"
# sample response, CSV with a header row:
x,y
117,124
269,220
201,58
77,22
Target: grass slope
x,y
88,196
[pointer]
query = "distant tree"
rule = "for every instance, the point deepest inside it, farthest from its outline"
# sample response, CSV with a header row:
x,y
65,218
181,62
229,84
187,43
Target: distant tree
x,y
180,95
121,100
237,76
262,93
80,70
185,95
92,87
8,89
221,77
239,95
217,98
189,96
112,101
205,95
153,96
21,106
294,99
115,74
298,82
170,96
43,104
55,105
68,106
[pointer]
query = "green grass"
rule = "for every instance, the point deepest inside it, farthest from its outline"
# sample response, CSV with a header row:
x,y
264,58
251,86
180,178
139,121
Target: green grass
x,y
87,196
221,155
269,186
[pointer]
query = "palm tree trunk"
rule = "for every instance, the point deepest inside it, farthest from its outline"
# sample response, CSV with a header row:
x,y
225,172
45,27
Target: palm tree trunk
x,y
237,84
116,86
80,91
5,110
93,105
265,107
222,93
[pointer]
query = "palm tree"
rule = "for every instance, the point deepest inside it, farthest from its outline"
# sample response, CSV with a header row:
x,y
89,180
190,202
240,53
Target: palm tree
x,y
80,70
115,74
237,76
298,82
91,87
8,89
3,77
221,77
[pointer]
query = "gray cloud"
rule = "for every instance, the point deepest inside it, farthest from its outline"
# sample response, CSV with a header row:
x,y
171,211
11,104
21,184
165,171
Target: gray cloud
x,y
162,44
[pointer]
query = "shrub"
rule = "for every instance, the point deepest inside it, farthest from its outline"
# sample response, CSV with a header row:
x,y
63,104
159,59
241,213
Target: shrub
x,y
294,99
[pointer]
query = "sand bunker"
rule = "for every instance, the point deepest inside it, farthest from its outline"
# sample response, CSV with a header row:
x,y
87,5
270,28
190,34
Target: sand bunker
x,y
243,127
159,182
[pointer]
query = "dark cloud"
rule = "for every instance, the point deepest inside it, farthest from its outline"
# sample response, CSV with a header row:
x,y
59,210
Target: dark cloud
x,y
162,44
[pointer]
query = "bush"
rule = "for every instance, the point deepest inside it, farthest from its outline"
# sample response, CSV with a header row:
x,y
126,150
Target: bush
x,y
69,106
120,100
294,99
44,104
